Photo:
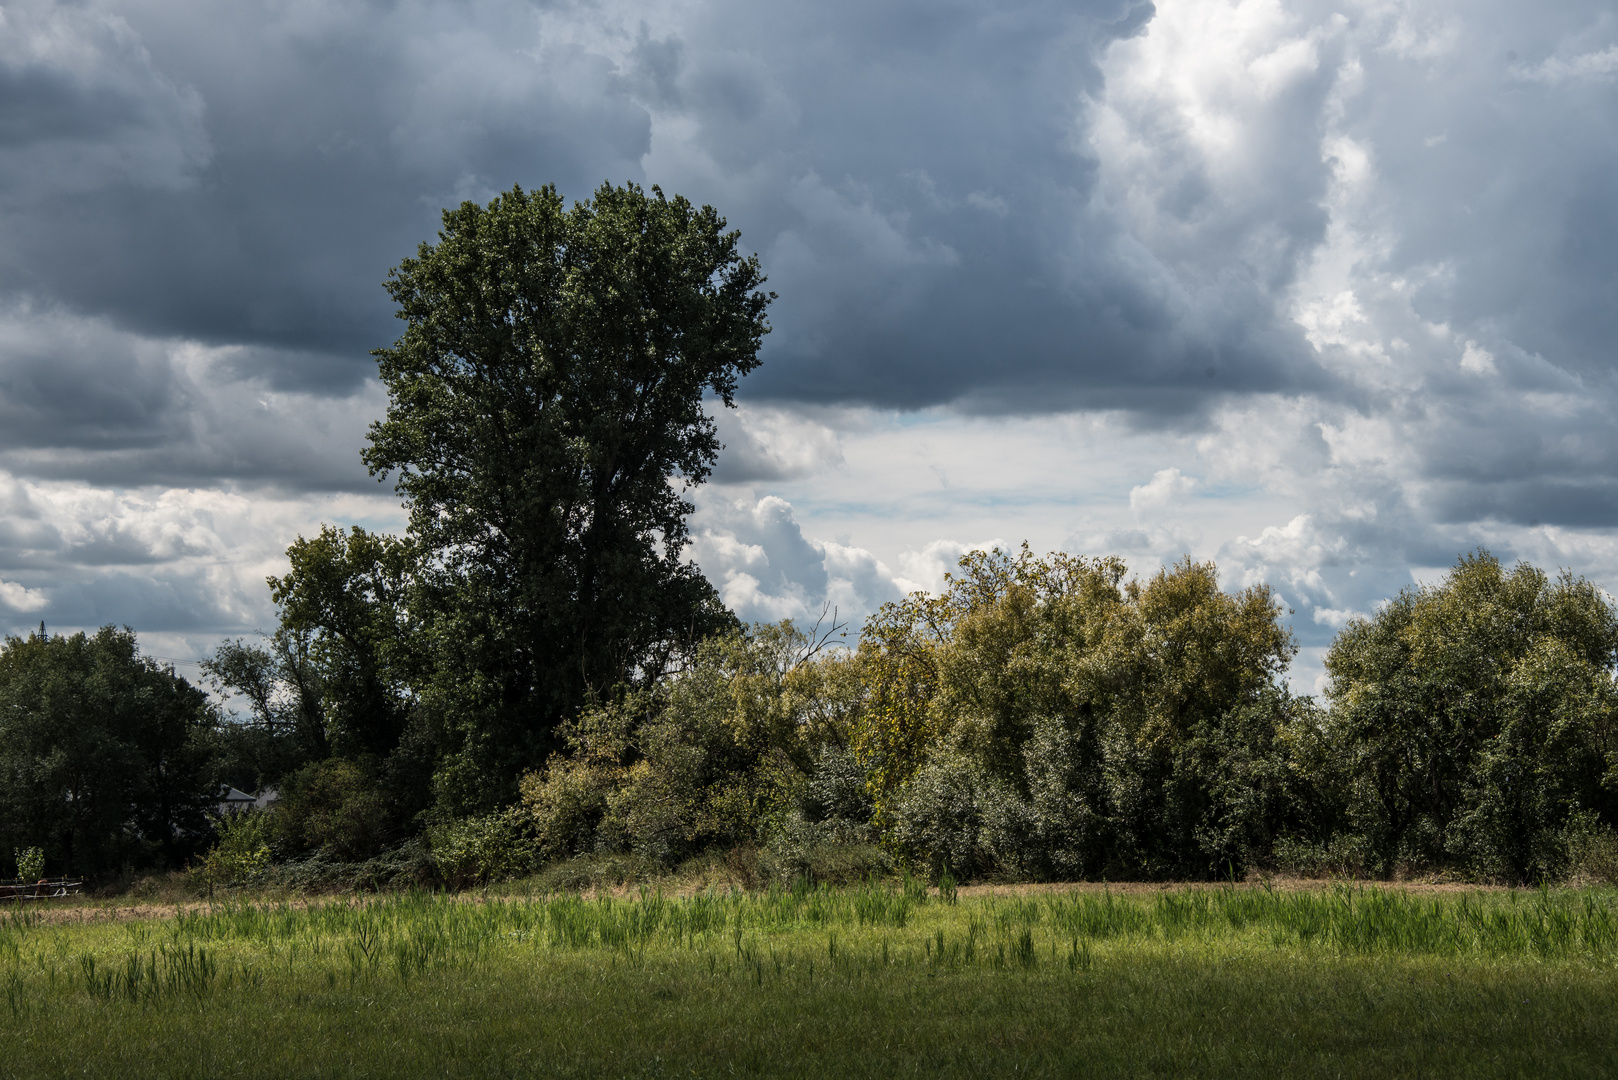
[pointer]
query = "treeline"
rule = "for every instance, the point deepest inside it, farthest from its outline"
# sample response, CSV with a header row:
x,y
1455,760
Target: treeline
x,y
1044,719
1041,719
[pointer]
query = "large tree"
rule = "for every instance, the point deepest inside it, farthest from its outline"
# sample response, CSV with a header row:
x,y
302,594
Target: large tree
x,y
105,756
547,411
1476,717
336,677
1044,717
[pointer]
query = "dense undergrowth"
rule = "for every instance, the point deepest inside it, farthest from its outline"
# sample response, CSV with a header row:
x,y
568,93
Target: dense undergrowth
x,y
876,979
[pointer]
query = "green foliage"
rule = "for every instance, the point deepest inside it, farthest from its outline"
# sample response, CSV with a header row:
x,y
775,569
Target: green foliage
x,y
105,757
570,799
546,407
336,677
344,602
747,743
713,760
30,863
1473,719
1042,718
473,851
339,806
286,723
1592,850
242,853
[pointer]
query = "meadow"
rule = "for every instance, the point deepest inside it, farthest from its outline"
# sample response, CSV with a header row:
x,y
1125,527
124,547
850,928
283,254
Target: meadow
x,y
878,980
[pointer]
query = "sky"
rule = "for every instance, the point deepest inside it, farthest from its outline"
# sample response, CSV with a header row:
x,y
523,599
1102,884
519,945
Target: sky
x,y
1324,292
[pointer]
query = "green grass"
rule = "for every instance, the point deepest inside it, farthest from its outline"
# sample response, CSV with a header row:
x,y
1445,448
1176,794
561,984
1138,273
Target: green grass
x,y
871,981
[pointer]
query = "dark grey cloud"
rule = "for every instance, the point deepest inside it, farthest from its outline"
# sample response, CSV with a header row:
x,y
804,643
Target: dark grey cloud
x,y
918,177
81,399
931,219
314,148
1381,235
933,186
72,383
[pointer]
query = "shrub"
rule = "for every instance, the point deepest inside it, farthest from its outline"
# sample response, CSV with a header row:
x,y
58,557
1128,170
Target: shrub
x,y
30,863
836,795
242,852
568,802
1591,850
474,851
595,871
938,817
834,862
565,805
730,752
337,806
1339,855
1043,718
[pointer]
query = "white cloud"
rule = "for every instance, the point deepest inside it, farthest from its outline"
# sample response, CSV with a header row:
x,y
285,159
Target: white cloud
x,y
1558,69
925,570
1337,618
1166,488
21,599
1477,360
766,569
992,204
187,564
764,442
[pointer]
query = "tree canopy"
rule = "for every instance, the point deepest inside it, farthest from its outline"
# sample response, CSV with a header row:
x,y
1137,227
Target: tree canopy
x,y
1475,718
1043,716
105,756
548,404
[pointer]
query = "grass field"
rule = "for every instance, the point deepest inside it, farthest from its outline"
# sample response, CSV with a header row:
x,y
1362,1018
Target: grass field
x,y
873,981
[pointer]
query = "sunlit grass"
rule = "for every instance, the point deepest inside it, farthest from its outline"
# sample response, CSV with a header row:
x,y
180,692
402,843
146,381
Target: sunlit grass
x,y
875,981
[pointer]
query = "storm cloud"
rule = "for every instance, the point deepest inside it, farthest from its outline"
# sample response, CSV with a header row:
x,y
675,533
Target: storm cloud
x,y
1326,291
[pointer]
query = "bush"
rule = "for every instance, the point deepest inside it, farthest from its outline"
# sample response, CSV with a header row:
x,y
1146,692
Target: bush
x,y
568,802
842,863
409,865
729,753
566,805
1591,851
30,864
242,853
475,851
952,814
836,795
337,806
1044,719
1340,855
595,871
